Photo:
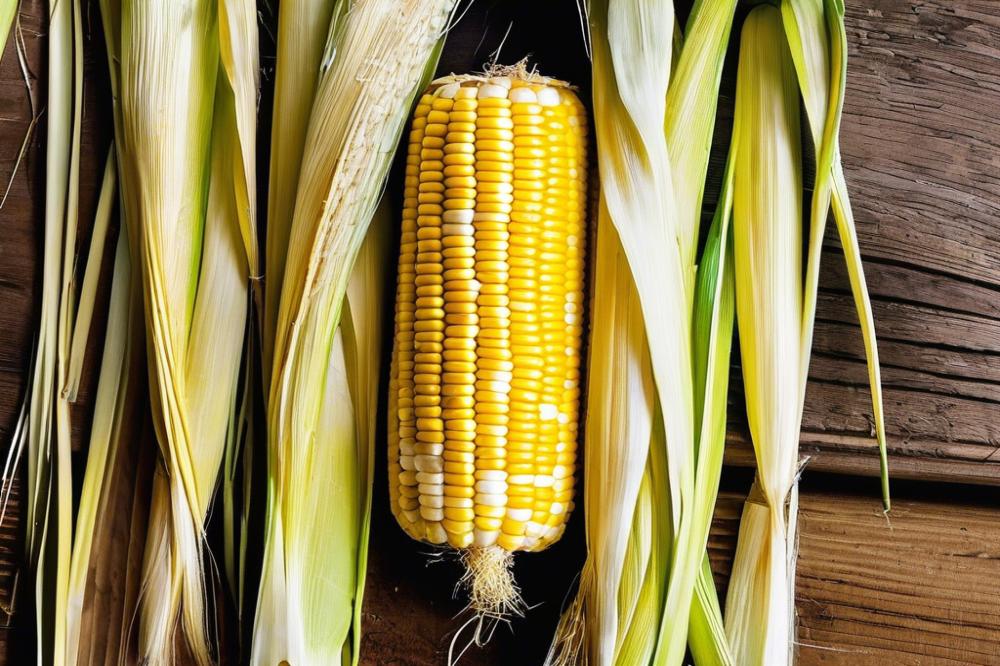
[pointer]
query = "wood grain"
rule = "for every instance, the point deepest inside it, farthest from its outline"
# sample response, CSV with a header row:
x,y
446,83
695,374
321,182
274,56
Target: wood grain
x,y
919,590
920,140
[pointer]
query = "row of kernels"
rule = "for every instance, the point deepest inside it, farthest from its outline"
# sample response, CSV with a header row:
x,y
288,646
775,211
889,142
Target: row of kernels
x,y
428,328
460,318
403,477
494,196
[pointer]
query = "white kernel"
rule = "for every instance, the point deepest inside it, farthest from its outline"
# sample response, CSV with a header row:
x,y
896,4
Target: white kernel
x,y
523,94
547,411
490,500
458,230
433,501
541,480
491,487
460,215
431,513
430,489
548,97
430,477
502,81
489,90
557,509
483,538
520,515
491,475
533,529
448,91
429,464
406,462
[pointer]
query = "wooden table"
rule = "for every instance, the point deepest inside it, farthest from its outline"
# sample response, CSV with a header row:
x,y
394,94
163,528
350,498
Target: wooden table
x,y
921,145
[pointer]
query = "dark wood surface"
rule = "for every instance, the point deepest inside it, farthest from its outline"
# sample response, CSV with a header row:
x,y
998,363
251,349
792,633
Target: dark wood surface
x,y
920,142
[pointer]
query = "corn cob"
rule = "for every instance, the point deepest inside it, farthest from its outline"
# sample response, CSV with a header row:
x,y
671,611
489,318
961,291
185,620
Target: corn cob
x,y
485,379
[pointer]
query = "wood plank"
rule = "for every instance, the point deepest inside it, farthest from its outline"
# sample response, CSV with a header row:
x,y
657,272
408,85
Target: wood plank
x,y
920,133
917,590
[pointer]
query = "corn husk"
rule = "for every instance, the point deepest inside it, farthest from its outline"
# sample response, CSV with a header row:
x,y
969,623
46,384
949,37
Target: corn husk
x,y
323,370
99,612
8,10
817,40
814,48
43,429
186,87
649,484
767,232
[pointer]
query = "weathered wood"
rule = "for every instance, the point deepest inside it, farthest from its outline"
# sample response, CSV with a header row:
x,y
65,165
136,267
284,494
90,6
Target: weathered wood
x,y
920,136
918,589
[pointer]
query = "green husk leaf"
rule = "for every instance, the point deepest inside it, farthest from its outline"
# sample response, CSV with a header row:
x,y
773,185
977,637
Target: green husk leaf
x,y
8,10
818,42
363,355
713,338
92,272
707,634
